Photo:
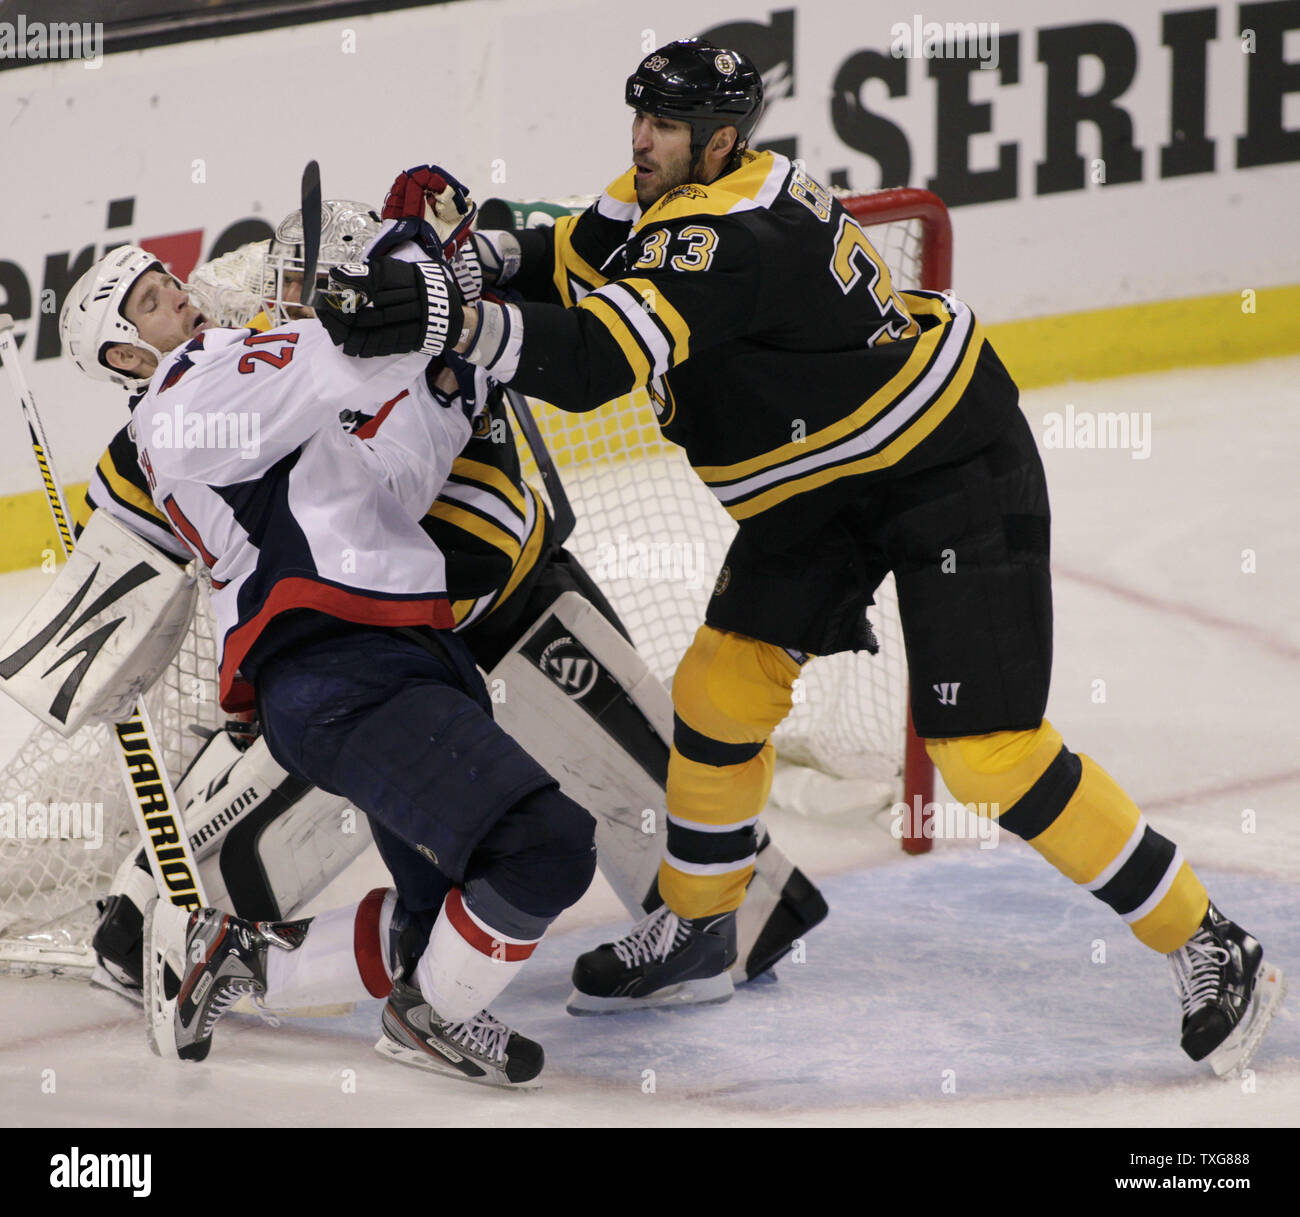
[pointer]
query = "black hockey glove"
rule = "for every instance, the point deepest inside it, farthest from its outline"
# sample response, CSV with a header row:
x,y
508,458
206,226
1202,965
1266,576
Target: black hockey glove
x,y
390,307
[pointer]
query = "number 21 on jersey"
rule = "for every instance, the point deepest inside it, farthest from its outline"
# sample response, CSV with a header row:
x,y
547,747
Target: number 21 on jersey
x,y
855,259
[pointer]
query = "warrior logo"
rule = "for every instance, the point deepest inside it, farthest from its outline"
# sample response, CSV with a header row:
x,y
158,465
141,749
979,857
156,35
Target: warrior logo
x,y
569,666
947,693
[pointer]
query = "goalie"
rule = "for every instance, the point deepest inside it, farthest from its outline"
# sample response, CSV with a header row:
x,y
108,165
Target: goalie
x,y
267,843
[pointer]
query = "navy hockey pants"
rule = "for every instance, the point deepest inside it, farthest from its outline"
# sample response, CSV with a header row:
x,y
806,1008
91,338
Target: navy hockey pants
x,y
407,736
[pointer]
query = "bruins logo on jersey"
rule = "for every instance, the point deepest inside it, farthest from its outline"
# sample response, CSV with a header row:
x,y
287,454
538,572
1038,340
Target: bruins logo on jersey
x,y
685,192
662,400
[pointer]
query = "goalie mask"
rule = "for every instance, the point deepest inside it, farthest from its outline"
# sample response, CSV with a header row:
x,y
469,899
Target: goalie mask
x,y
93,319
347,227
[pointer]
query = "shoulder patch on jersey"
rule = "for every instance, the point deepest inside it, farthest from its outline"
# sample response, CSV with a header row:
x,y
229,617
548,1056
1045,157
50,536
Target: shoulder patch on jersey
x,y
689,191
183,364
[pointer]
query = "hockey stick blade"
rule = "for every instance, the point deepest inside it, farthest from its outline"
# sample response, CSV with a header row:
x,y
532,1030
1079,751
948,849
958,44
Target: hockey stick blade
x,y
311,214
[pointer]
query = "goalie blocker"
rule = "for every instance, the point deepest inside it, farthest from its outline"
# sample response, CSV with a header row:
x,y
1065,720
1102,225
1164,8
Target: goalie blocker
x,y
572,690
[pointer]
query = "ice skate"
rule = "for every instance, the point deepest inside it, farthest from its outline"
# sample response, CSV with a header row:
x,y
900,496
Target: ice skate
x,y
1228,992
197,966
664,961
480,1049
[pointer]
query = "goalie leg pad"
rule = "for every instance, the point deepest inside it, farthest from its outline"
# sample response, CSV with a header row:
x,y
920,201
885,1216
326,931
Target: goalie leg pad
x,y
576,695
266,843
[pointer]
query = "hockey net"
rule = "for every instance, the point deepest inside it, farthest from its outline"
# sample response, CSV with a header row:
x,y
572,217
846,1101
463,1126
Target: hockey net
x,y
653,537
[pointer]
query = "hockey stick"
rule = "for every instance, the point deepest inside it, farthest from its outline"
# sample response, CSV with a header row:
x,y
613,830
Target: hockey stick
x,y
311,211
148,788
560,508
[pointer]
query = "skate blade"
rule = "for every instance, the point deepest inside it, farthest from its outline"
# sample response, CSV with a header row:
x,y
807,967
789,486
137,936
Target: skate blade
x,y
164,932
403,1055
1233,1056
706,991
102,978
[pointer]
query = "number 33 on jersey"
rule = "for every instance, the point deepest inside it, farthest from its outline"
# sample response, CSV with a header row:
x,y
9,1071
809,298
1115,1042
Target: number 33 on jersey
x,y
776,348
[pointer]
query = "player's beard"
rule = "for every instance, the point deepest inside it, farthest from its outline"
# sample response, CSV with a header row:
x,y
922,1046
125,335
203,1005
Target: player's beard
x,y
668,176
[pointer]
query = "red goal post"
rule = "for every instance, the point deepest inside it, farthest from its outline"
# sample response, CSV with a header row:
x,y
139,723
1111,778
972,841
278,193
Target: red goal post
x,y
907,205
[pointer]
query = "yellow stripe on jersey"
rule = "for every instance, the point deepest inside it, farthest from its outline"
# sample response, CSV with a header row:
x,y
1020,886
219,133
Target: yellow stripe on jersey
x,y
930,417
621,332
898,384
733,191
127,492
527,559
491,477
657,306
485,530
81,512
569,263
623,188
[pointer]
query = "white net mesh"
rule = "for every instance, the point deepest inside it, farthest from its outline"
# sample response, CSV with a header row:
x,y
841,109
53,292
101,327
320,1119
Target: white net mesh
x,y
654,539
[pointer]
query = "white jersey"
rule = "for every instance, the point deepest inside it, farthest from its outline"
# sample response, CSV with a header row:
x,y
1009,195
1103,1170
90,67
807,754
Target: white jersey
x,y
240,440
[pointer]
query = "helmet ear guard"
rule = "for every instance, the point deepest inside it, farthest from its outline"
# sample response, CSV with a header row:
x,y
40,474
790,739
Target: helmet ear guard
x,y
92,319
707,86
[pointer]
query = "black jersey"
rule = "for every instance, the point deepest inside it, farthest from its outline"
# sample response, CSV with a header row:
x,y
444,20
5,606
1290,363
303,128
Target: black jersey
x,y
770,337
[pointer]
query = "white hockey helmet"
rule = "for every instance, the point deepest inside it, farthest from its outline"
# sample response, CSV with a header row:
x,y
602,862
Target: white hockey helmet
x,y
92,319
347,228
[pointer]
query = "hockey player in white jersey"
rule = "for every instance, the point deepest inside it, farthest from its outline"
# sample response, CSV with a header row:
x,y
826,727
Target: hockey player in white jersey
x,y
334,619
267,842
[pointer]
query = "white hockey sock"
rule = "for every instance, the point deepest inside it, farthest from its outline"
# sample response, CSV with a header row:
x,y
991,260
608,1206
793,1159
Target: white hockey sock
x,y
341,958
467,963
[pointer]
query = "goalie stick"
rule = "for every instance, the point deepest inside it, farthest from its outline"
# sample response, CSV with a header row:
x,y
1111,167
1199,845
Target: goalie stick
x,y
148,788
564,518
311,227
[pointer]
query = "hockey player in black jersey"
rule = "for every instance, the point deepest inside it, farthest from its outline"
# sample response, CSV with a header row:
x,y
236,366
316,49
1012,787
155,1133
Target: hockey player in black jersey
x,y
850,429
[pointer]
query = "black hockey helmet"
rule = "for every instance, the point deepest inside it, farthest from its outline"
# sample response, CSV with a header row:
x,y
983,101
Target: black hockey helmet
x,y
696,82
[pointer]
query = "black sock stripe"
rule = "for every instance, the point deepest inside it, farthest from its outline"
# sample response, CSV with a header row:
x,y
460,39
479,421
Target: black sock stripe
x,y
691,845
1036,810
1140,875
705,751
